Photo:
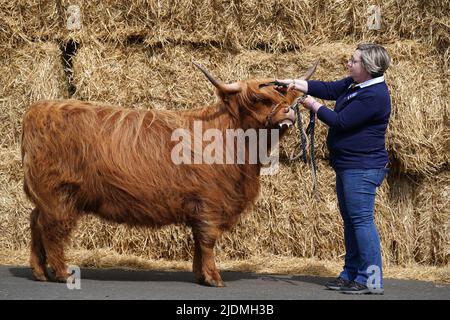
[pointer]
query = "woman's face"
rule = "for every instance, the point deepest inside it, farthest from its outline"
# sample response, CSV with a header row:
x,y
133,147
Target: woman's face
x,y
356,69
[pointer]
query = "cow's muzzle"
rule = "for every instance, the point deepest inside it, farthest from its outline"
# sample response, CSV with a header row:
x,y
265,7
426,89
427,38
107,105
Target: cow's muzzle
x,y
290,118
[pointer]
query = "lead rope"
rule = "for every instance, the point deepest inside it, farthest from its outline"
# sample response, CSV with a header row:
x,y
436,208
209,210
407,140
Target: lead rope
x,y
302,133
303,142
312,152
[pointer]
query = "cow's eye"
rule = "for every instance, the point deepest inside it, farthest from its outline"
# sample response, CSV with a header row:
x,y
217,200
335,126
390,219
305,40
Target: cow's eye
x,y
281,90
263,100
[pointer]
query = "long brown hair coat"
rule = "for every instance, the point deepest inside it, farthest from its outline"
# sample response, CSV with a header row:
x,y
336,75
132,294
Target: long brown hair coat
x,y
84,158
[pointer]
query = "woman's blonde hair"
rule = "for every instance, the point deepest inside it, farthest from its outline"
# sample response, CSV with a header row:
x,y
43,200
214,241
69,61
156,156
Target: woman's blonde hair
x,y
375,58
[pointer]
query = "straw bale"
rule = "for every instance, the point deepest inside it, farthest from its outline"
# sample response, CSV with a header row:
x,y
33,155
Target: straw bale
x,y
289,24
419,130
413,218
287,220
25,21
396,219
156,22
171,242
14,207
299,224
136,75
27,74
153,22
271,25
433,220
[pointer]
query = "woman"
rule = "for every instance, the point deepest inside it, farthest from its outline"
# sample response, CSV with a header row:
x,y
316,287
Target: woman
x,y
356,142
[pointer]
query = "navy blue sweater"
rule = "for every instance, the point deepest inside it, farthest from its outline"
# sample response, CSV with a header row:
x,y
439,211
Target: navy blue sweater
x,y
357,126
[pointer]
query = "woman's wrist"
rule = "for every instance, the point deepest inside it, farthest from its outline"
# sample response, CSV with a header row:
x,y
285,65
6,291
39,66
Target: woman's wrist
x,y
316,106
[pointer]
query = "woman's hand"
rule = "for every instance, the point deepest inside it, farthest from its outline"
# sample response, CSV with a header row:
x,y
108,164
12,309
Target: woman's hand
x,y
295,84
311,104
289,82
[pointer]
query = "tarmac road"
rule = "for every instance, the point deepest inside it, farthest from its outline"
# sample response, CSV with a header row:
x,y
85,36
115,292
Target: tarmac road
x,y
110,284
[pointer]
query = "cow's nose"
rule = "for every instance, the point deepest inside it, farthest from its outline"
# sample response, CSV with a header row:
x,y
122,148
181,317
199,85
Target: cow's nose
x,y
291,114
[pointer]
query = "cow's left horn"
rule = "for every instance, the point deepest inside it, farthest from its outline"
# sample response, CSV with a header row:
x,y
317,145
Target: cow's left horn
x,y
224,87
310,71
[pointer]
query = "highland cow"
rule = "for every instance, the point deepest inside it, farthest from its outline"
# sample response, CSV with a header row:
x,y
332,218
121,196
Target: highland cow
x,y
85,158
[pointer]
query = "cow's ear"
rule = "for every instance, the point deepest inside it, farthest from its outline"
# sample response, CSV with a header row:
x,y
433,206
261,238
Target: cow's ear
x,y
230,102
233,109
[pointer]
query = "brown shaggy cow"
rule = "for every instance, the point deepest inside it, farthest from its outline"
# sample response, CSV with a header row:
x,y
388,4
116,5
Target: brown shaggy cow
x,y
81,158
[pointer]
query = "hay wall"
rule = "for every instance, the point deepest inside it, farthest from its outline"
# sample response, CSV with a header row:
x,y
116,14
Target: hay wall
x,y
270,24
138,54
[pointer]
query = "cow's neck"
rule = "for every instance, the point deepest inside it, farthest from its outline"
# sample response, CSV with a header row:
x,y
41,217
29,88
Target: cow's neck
x,y
215,117
218,117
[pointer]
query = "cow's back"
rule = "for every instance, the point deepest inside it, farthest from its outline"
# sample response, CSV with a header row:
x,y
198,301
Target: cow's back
x,y
111,161
117,163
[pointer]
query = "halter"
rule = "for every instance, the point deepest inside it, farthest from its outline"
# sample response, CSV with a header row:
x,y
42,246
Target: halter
x,y
269,121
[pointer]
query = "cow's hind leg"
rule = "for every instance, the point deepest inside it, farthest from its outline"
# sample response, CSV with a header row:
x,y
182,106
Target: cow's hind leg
x,y
204,266
37,256
56,231
197,261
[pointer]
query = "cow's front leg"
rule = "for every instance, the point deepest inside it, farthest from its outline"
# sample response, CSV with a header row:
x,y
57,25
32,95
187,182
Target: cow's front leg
x,y
204,265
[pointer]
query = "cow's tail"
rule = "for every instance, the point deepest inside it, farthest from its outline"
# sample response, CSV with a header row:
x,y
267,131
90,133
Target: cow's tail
x,y
27,179
23,141
22,148
26,187
24,145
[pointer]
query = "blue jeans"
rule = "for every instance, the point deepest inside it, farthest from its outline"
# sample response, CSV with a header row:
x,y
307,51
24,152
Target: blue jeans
x,y
356,190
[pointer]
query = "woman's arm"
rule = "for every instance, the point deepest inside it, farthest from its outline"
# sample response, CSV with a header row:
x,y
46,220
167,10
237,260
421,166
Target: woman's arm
x,y
352,116
328,90
319,89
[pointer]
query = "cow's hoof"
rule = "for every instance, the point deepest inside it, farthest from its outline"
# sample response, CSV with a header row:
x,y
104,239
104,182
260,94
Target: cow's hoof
x,y
214,283
40,277
62,278
40,274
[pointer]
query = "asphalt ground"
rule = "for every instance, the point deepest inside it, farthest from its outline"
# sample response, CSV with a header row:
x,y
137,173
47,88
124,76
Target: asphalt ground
x,y
16,283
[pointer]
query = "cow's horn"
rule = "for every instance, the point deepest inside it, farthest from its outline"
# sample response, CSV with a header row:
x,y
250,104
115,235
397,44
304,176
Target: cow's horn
x,y
224,87
310,71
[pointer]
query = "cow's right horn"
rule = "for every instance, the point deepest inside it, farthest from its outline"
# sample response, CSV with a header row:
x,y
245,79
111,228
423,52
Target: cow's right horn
x,y
224,87
310,71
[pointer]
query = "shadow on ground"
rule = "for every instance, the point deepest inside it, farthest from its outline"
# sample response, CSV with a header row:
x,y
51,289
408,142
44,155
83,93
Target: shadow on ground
x,y
173,276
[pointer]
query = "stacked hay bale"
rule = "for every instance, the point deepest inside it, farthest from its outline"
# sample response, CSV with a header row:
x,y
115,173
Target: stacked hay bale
x,y
27,73
138,54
